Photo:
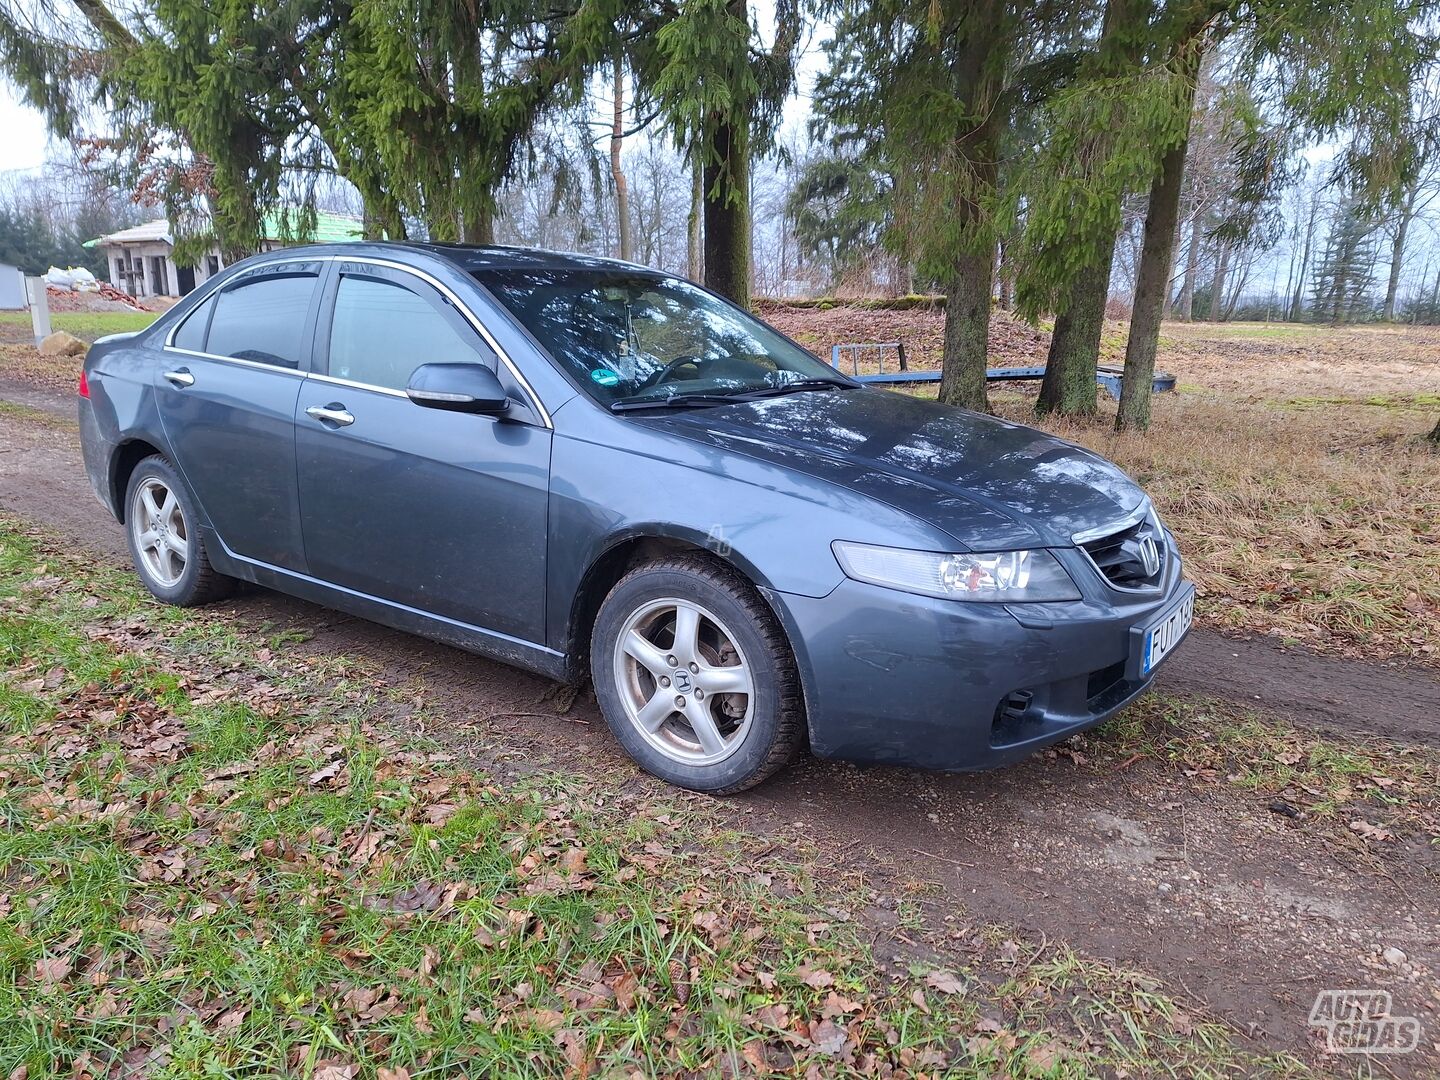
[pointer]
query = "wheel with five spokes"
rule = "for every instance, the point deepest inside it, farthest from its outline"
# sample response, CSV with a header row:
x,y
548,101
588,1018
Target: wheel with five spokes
x,y
165,542
695,677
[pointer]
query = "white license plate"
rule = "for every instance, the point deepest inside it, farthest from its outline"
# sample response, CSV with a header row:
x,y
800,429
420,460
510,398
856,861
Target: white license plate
x,y
1161,638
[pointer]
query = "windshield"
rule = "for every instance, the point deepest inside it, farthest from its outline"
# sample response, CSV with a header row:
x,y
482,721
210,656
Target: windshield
x,y
636,338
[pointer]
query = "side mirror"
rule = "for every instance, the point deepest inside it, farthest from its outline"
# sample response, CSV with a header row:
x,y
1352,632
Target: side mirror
x,y
471,388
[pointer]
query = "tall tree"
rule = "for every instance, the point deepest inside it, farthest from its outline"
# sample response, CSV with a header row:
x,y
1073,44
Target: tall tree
x,y
937,85
1096,135
722,90
617,171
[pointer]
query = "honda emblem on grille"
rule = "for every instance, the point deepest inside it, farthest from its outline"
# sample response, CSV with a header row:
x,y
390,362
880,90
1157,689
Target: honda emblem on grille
x,y
1149,556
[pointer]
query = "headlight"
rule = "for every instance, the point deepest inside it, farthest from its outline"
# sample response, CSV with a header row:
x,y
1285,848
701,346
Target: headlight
x,y
996,577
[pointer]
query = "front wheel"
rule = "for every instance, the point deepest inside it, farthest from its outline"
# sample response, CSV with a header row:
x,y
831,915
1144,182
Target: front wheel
x,y
694,676
164,537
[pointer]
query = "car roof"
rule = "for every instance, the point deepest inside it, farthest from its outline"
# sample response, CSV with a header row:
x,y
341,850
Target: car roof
x,y
473,256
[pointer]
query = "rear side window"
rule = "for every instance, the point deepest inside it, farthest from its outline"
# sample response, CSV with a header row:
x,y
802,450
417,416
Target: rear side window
x,y
382,331
191,334
263,319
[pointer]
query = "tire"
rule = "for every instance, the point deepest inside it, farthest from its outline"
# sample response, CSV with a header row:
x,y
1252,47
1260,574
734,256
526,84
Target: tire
x,y
162,529
730,642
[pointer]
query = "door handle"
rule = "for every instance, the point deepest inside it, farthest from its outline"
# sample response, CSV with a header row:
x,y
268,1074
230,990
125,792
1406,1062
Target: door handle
x,y
180,378
333,413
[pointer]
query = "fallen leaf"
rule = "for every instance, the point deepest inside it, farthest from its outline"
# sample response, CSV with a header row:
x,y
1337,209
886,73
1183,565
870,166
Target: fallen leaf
x,y
817,978
828,1038
1369,831
947,982
51,969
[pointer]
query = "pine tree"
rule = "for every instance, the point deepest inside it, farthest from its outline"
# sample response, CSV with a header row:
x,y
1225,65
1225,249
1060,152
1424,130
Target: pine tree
x,y
722,92
1345,271
936,87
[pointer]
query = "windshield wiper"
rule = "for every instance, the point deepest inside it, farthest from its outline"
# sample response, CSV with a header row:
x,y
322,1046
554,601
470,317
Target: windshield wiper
x,y
676,401
793,387
684,401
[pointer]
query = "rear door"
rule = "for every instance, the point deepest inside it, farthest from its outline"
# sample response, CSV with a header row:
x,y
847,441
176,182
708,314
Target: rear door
x,y
440,511
227,392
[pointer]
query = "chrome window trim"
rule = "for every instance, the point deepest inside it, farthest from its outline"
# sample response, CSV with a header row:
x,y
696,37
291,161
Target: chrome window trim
x,y
532,398
294,372
337,381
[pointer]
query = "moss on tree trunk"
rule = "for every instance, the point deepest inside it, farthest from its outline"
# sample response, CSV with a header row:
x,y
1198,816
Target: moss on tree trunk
x,y
1151,286
967,333
727,215
1069,385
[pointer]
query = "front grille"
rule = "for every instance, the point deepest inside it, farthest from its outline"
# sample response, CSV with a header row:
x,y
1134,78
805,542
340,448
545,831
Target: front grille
x,y
1133,558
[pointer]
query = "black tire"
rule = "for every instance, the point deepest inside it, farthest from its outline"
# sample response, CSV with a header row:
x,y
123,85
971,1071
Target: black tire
x,y
775,730
197,582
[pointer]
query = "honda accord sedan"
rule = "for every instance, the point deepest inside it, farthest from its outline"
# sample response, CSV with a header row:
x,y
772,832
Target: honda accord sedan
x,y
583,467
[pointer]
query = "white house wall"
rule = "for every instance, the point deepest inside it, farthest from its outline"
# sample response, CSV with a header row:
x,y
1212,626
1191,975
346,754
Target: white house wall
x,y
143,253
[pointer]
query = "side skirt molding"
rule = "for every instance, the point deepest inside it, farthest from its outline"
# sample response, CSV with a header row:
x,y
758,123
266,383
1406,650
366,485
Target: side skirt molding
x,y
474,639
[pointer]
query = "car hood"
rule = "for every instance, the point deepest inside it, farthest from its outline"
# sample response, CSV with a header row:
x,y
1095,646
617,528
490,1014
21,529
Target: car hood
x,y
988,483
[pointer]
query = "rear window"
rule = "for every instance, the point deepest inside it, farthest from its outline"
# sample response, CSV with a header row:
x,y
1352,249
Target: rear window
x,y
262,318
191,334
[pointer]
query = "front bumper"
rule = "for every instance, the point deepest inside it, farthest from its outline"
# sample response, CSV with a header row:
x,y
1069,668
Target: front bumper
x,y
900,679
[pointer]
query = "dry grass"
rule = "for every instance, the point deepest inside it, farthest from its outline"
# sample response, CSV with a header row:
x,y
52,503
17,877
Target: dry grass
x,y
25,364
1291,465
1294,474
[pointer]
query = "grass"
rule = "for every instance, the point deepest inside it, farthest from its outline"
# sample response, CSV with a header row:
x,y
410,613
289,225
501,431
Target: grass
x,y
15,325
218,864
1396,788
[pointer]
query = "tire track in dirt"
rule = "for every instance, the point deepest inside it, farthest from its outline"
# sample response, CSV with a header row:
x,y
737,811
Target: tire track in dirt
x,y
1198,885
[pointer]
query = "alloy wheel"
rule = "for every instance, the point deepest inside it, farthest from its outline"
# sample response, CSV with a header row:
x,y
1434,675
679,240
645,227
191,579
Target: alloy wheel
x,y
683,681
160,532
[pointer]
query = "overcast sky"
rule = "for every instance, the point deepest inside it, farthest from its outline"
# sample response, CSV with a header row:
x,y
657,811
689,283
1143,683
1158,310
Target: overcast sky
x,y
24,142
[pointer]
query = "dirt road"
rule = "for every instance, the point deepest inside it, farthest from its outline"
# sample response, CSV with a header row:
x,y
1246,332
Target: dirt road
x,y
1247,912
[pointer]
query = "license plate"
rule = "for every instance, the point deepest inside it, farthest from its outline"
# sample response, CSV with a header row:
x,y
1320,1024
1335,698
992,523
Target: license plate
x,y
1162,638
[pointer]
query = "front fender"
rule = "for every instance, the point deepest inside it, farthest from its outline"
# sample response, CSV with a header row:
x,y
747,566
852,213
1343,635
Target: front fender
x,y
613,481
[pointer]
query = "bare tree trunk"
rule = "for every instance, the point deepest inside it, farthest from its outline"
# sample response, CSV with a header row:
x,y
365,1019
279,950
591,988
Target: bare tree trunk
x,y
1434,435
1192,271
727,214
1152,285
617,174
1217,284
1297,302
1006,276
1397,255
694,264
479,227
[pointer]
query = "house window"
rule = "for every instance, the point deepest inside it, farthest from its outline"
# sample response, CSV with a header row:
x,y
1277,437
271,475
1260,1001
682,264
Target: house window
x,y
119,279
212,265
159,276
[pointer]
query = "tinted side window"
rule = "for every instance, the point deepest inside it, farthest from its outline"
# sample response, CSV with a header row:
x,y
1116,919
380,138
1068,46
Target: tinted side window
x,y
263,319
382,331
191,334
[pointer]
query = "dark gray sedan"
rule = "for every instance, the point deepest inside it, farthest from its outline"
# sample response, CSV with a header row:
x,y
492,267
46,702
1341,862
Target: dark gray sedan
x,y
582,466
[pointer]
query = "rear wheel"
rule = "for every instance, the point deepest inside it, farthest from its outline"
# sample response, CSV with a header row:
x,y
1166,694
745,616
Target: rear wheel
x,y
694,676
165,544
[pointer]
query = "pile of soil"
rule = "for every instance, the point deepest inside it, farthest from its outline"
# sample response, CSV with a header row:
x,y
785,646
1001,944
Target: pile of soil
x,y
108,298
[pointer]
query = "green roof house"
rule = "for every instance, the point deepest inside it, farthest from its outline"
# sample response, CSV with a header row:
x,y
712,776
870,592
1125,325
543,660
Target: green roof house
x,y
141,260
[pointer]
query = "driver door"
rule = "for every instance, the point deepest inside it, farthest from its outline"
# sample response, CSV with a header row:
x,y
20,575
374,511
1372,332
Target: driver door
x,y
443,512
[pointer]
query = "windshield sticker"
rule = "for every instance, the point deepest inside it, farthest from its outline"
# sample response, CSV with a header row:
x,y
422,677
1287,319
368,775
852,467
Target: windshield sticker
x,y
605,377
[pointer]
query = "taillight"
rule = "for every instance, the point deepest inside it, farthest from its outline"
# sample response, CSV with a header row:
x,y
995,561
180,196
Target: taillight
x,y
84,384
